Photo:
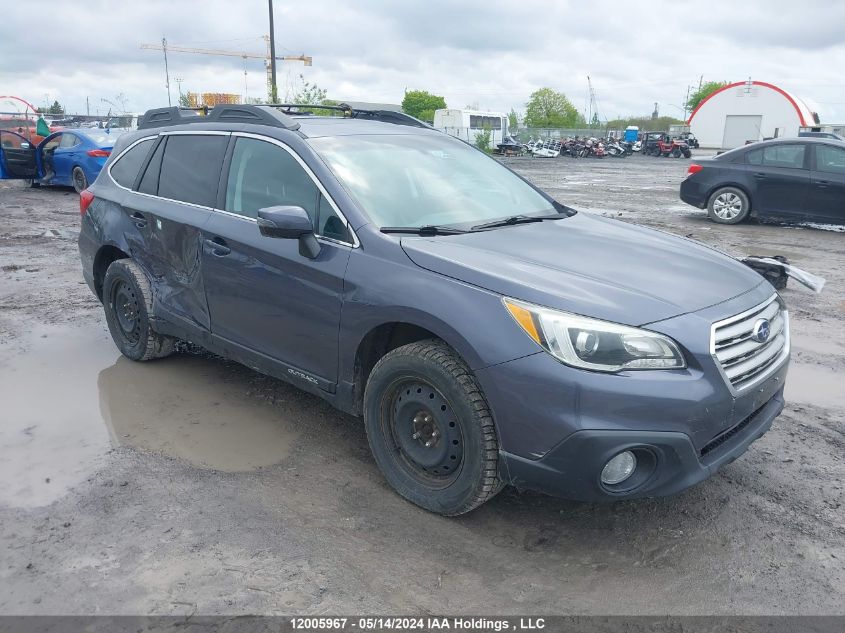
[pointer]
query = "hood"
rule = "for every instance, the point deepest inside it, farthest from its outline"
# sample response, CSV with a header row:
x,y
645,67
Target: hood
x,y
589,265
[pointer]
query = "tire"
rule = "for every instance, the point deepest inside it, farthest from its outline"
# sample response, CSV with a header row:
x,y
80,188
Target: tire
x,y
687,154
79,180
676,153
430,429
728,205
128,303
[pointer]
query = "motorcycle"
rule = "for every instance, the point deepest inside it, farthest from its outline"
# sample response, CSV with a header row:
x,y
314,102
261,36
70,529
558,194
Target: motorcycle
x,y
615,149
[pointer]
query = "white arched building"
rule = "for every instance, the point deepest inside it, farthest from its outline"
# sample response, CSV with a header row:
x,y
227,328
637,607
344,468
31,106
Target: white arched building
x,y
748,111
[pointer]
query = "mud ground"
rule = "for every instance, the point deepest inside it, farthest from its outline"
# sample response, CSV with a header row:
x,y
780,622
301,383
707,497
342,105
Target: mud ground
x,y
194,485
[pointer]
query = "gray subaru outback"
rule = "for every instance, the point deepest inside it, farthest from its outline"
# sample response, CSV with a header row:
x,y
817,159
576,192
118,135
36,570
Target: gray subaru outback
x,y
486,334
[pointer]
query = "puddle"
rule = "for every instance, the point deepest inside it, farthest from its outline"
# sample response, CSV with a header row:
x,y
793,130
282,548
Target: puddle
x,y
70,397
814,384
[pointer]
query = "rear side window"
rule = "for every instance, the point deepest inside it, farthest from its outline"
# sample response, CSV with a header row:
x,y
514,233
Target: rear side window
x,y
69,140
125,170
190,168
790,156
149,183
830,159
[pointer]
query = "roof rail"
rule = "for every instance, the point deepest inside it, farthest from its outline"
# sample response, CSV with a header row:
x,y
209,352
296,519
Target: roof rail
x,y
226,113
273,114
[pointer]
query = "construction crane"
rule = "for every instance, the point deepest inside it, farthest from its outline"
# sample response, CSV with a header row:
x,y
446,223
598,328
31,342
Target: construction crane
x,y
167,48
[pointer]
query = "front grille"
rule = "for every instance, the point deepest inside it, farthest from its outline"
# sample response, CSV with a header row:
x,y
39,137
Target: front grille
x,y
744,360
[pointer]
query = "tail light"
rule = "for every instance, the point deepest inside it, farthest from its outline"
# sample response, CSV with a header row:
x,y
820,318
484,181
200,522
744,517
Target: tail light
x,y
694,169
99,153
85,200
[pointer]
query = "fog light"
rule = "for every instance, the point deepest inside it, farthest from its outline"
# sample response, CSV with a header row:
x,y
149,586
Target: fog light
x,y
619,468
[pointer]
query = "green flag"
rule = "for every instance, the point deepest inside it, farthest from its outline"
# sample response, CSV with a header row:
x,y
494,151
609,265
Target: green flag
x,y
41,128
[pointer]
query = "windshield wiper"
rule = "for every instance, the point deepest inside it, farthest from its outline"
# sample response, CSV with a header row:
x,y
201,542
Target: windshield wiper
x,y
428,229
517,219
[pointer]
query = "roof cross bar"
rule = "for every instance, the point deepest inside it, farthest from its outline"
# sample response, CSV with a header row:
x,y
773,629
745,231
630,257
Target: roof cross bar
x,y
385,116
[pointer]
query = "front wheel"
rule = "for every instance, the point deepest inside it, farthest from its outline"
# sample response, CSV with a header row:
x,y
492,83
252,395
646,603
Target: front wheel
x,y
128,303
80,181
728,205
430,429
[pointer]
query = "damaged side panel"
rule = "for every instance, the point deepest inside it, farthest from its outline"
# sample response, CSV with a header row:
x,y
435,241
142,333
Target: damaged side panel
x,y
164,237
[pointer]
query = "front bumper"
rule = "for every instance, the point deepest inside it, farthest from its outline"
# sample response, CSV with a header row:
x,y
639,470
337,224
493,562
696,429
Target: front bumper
x,y
559,425
572,470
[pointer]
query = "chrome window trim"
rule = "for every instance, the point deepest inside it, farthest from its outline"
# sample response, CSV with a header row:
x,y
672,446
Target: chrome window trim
x,y
119,156
195,133
354,244
774,367
260,137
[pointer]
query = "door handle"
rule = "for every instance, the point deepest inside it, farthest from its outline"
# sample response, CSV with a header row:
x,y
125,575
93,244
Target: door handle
x,y
759,174
218,247
822,184
139,219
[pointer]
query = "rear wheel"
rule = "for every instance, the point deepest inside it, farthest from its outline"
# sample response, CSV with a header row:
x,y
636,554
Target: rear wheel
x,y
80,182
728,205
128,303
676,153
430,429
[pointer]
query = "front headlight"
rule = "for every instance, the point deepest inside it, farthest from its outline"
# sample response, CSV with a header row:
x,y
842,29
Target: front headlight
x,y
592,344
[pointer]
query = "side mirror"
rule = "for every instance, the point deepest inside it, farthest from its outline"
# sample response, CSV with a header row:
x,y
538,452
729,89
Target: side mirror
x,y
289,222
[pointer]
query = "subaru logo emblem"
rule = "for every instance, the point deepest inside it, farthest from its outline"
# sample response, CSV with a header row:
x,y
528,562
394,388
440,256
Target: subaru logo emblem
x,y
761,331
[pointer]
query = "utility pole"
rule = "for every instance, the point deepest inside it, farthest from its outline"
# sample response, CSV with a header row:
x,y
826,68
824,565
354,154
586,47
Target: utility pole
x,y
274,91
686,101
179,81
87,107
166,70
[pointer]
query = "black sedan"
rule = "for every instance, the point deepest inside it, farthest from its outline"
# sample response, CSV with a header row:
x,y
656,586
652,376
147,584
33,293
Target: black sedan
x,y
794,179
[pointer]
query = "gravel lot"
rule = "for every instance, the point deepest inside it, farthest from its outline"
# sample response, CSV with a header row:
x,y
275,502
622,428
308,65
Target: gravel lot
x,y
193,484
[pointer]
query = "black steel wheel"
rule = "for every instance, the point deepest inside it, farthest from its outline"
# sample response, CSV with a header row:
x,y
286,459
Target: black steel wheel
x,y
422,430
430,430
127,301
124,302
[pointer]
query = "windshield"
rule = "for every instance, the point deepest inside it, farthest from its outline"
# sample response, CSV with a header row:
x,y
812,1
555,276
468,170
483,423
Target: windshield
x,y
418,180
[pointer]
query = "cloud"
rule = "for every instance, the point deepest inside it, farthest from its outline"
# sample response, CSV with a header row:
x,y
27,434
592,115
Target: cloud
x,y
491,53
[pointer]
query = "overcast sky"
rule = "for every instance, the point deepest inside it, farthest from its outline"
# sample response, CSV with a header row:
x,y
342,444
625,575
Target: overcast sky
x,y
488,53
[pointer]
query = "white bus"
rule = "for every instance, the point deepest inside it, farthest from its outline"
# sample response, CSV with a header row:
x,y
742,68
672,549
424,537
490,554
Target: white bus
x,y
466,124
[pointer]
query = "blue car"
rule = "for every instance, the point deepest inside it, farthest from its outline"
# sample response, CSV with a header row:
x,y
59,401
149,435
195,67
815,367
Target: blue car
x,y
71,157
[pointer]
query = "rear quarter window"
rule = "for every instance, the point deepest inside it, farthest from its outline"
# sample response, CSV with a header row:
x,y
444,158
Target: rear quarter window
x,y
191,166
125,169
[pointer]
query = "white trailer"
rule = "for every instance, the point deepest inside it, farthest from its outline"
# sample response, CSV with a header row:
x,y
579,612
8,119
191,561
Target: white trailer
x,y
467,124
